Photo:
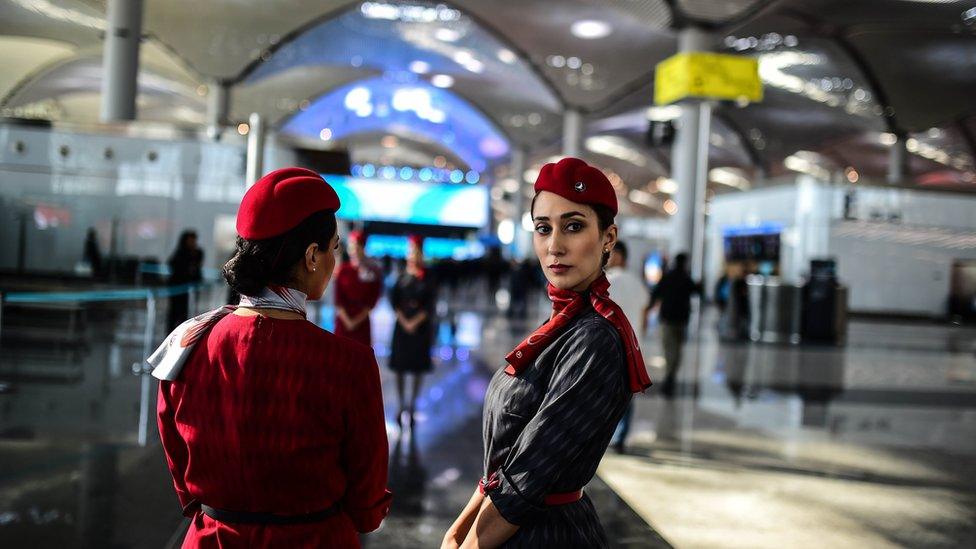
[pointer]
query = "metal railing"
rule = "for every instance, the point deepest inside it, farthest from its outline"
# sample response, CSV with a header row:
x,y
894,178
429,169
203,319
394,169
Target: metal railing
x,y
150,297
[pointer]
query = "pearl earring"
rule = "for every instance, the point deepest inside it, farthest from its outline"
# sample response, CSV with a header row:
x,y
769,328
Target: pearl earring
x,y
313,269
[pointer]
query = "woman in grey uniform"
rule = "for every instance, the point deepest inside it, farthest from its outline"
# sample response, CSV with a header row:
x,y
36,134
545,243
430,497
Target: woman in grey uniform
x,y
550,413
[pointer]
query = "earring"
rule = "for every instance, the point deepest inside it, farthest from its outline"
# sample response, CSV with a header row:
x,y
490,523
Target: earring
x,y
313,269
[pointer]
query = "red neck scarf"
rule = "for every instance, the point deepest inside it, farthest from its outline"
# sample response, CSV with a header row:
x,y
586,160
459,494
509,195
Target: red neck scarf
x,y
566,304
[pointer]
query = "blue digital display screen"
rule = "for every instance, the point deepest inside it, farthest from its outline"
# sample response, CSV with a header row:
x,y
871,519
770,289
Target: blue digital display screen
x,y
410,202
434,248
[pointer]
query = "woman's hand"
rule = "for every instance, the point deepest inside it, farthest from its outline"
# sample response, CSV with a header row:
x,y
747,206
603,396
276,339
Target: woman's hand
x,y
459,530
452,540
344,319
490,529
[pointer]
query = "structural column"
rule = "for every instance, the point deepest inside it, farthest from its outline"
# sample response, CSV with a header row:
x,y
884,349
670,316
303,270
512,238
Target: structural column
x,y
255,149
218,99
897,161
519,156
120,60
690,165
572,133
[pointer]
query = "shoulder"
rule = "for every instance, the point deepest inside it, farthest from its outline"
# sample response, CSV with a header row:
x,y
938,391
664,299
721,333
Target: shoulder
x,y
593,332
324,345
341,347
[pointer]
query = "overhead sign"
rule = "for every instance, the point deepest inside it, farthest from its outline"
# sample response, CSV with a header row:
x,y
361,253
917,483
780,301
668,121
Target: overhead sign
x,y
708,76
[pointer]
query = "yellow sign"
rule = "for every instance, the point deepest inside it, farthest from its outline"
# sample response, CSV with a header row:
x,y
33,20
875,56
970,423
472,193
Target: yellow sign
x,y
707,75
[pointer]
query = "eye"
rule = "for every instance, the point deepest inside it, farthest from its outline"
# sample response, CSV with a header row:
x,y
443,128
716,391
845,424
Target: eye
x,y
574,226
543,229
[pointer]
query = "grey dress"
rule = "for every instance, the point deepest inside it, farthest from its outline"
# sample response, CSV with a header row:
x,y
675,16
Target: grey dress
x,y
546,430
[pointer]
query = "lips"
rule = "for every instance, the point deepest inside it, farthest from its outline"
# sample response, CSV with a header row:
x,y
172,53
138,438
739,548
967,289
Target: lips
x,y
559,269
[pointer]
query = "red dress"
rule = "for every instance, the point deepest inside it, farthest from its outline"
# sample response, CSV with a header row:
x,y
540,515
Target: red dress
x,y
357,288
276,416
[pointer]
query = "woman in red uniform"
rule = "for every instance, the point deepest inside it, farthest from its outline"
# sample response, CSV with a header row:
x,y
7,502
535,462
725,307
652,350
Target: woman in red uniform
x,y
273,428
359,283
550,413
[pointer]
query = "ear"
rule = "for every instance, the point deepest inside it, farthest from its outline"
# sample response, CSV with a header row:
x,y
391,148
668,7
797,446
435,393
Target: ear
x,y
610,238
310,260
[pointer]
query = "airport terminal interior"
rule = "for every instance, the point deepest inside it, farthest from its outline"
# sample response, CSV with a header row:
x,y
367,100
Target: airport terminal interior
x,y
814,160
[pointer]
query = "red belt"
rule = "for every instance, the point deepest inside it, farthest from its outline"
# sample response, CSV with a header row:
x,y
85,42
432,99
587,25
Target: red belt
x,y
551,499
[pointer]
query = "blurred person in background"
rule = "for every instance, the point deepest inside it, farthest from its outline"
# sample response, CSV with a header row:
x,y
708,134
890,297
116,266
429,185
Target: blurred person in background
x,y
92,254
629,291
413,298
673,295
549,415
359,284
185,267
273,428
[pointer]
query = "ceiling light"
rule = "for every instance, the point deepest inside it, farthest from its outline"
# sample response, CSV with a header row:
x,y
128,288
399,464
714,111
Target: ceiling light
x,y
325,134
731,177
574,63
670,207
447,35
420,67
642,197
616,147
590,29
851,174
666,186
243,128
506,231
507,56
887,138
664,114
442,81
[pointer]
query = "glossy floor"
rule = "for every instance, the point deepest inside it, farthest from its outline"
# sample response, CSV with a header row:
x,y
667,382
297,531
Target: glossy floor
x,y
872,444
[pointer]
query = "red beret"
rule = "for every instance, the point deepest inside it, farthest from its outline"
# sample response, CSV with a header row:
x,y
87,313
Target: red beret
x,y
575,180
416,240
357,236
281,200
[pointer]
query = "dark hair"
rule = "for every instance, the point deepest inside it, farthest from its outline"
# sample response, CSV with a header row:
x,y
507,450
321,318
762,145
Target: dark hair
x,y
681,261
184,236
257,263
604,218
621,249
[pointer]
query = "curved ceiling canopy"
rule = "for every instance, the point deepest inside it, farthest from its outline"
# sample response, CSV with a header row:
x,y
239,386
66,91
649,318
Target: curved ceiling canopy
x,y
417,43
409,106
843,77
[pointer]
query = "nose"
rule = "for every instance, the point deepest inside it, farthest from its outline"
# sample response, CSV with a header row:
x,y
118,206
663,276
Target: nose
x,y
556,247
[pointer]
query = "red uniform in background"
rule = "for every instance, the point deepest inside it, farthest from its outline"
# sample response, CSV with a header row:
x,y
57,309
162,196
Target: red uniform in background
x,y
357,289
276,416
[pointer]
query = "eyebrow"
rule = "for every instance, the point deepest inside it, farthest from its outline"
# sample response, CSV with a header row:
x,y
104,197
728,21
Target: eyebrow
x,y
566,215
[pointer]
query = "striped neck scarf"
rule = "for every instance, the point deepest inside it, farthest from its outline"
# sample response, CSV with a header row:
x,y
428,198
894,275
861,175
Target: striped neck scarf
x,y
566,304
168,359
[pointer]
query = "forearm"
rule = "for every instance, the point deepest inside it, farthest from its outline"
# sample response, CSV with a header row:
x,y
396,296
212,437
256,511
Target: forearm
x,y
462,525
489,530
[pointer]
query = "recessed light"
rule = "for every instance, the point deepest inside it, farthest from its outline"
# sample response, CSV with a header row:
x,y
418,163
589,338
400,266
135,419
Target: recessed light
x,y
325,134
420,67
447,35
442,81
590,29
507,56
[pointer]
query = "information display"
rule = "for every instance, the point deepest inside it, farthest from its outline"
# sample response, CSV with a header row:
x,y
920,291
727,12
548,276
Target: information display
x,y
410,202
